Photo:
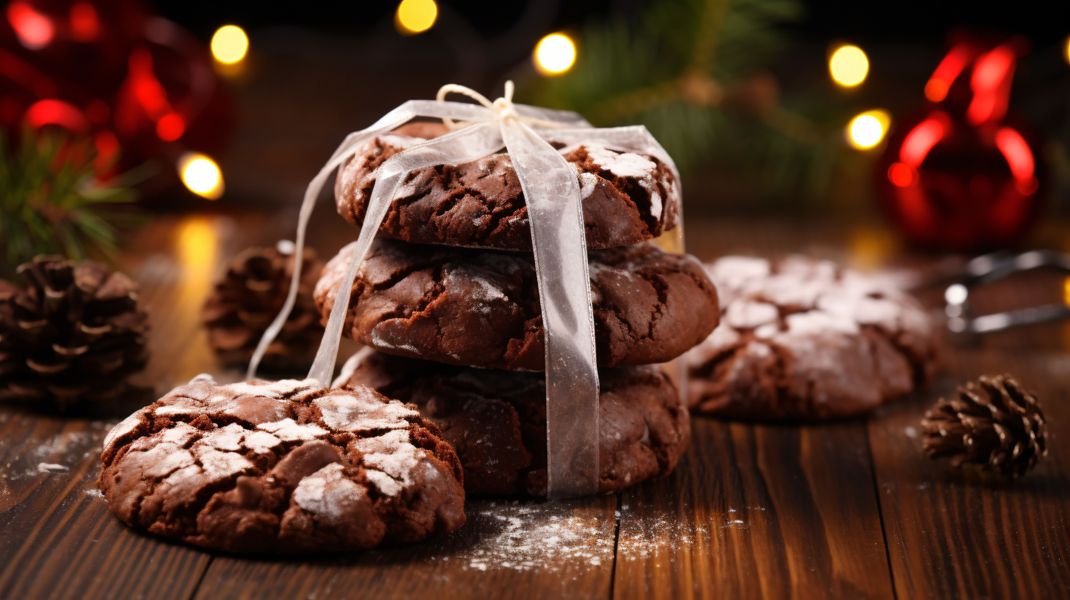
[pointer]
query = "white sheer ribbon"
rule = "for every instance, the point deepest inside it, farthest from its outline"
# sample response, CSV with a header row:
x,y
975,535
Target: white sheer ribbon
x,y
551,191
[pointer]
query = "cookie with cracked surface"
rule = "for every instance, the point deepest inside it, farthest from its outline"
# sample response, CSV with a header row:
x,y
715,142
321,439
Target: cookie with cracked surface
x,y
282,467
480,308
806,339
627,197
496,420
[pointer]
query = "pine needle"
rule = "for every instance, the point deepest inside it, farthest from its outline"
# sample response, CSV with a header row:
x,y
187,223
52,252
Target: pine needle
x,y
51,201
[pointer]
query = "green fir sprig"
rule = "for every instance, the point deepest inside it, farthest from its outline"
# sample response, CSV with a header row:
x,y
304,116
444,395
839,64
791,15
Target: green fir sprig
x,y
52,202
695,73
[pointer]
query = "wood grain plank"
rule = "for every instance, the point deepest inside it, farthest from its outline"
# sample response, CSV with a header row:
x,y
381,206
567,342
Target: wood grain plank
x,y
757,511
952,536
506,550
59,540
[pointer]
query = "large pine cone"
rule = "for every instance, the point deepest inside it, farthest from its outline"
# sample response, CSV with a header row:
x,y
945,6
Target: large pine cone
x,y
992,425
247,299
71,337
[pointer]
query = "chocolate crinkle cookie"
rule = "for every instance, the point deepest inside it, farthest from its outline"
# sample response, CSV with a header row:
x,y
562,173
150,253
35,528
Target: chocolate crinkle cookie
x,y
281,467
627,197
496,420
806,339
481,308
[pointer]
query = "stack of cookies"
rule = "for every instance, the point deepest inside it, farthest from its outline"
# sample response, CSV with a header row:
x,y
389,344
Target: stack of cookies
x,y
447,307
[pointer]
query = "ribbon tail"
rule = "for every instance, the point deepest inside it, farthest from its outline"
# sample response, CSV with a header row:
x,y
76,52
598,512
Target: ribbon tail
x,y
464,145
552,194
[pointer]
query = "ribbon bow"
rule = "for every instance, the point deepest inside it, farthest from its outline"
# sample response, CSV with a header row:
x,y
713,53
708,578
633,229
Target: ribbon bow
x,y
552,194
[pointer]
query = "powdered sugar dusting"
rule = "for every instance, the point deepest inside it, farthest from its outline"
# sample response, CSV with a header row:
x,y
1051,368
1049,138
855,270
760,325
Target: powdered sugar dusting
x,y
361,409
292,431
124,427
391,460
621,164
380,342
328,494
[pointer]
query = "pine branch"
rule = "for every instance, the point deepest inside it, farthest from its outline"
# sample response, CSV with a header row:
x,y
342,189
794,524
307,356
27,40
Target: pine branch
x,y
51,201
690,70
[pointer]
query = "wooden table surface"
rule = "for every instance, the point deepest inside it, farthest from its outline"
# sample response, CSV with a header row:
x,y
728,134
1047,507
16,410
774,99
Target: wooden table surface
x,y
848,509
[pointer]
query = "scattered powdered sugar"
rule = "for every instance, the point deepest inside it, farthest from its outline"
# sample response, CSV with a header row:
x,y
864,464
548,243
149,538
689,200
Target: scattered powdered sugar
x,y
534,537
558,537
54,454
94,493
642,537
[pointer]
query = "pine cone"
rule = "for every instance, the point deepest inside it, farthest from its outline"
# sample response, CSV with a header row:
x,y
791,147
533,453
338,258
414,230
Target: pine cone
x,y
72,336
247,299
992,425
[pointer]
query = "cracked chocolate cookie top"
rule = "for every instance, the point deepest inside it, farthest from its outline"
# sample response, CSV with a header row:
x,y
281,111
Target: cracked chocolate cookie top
x,y
281,467
481,308
806,339
627,198
496,420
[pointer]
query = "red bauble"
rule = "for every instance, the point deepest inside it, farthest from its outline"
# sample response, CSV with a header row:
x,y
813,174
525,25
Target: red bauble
x,y
137,86
964,176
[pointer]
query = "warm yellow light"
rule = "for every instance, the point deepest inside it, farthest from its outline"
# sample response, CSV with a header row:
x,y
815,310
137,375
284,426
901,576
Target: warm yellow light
x,y
1066,291
230,44
415,16
555,54
848,66
867,129
201,175
1066,49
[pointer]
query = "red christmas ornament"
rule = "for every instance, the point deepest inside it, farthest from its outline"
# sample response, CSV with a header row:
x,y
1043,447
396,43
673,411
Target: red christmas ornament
x,y
966,175
136,85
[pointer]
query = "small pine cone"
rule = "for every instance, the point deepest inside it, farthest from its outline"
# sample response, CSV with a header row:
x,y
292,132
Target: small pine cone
x,y
991,425
71,337
247,299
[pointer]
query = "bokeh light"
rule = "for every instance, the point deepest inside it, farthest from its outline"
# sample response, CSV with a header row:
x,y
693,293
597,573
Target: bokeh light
x,y
1066,49
230,44
34,29
555,54
201,175
867,130
415,16
848,66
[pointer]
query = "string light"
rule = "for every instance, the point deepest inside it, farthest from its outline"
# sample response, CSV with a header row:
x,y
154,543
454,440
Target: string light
x,y
555,54
1066,49
230,44
848,66
201,175
867,130
415,16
